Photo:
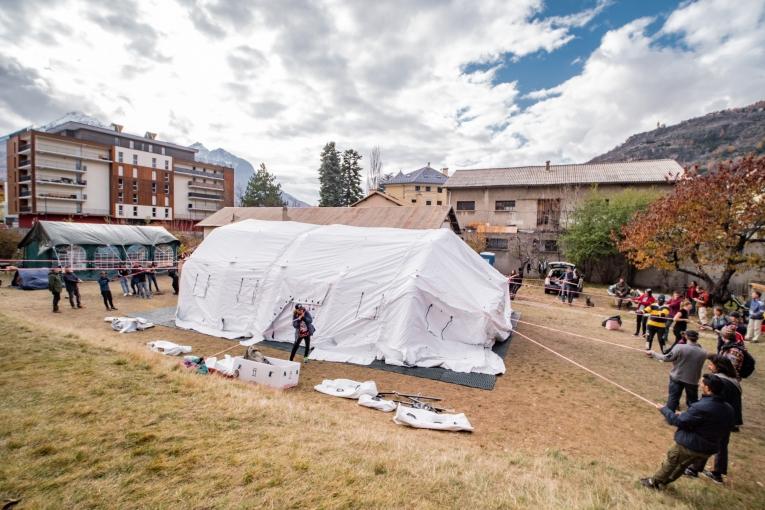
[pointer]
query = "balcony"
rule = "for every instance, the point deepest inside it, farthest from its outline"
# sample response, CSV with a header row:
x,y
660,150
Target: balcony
x,y
25,178
25,194
61,168
199,173
202,185
202,208
73,154
60,196
61,182
24,147
204,196
24,164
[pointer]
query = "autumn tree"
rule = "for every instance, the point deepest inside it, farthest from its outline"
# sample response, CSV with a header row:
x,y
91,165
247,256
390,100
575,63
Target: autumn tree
x,y
262,190
707,227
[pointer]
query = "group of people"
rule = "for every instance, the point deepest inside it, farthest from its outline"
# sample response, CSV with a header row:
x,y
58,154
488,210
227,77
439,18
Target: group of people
x,y
135,281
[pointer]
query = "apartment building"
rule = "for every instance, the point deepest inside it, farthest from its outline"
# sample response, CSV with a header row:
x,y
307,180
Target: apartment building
x,y
521,211
79,172
424,186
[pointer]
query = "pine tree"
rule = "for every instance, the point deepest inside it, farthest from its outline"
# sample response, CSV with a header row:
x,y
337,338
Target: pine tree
x,y
351,178
262,190
330,177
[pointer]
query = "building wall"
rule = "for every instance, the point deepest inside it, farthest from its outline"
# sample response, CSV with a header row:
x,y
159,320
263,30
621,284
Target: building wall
x,y
409,194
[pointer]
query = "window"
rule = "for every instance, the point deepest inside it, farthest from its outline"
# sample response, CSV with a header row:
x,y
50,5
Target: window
x,y
167,188
153,212
136,252
153,175
135,173
496,243
120,183
163,253
167,212
120,157
84,167
167,163
154,163
135,198
153,187
416,188
135,159
167,201
466,206
120,197
135,211
154,200
120,170
71,255
106,257
427,188
119,210
504,205
132,144
439,202
414,200
440,190
135,185
428,202
550,245
190,206
167,176
163,153
548,212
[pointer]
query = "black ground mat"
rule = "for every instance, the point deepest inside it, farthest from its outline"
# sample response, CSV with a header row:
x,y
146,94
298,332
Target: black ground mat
x,y
166,317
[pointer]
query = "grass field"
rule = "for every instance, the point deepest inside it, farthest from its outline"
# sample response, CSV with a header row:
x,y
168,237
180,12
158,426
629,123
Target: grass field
x,y
92,419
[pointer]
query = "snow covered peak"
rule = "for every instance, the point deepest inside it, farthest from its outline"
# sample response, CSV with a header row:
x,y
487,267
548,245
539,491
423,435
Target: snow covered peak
x,y
80,117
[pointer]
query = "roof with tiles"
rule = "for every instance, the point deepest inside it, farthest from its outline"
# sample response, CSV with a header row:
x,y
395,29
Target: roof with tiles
x,y
425,175
657,171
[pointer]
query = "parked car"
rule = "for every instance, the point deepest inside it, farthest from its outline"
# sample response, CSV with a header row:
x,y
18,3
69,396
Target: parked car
x,y
555,272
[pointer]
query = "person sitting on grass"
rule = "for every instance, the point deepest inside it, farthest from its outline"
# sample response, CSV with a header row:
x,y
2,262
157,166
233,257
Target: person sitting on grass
x,y
687,363
106,293
722,368
303,324
701,431
621,291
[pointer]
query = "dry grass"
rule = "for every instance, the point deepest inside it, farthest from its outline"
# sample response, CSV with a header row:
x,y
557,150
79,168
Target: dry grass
x,y
91,420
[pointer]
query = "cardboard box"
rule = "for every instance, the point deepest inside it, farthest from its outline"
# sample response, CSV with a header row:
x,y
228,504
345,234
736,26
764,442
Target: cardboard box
x,y
279,374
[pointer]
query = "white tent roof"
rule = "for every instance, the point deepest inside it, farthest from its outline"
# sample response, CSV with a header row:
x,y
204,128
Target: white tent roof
x,y
410,297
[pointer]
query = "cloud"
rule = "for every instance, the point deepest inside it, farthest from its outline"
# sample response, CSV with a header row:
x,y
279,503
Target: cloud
x,y
245,62
122,18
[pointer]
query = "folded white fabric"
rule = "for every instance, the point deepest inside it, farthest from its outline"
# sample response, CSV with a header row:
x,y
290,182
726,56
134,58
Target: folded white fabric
x,y
129,324
346,388
377,403
423,419
168,348
223,366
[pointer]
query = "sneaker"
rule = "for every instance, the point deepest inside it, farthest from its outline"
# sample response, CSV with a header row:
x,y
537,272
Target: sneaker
x,y
56,311
113,308
716,478
305,361
649,483
689,471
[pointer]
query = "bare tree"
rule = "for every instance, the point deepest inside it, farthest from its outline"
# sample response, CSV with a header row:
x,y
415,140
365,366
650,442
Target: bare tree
x,y
375,170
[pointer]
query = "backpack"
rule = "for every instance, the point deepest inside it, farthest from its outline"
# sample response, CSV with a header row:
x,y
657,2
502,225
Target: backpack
x,y
747,367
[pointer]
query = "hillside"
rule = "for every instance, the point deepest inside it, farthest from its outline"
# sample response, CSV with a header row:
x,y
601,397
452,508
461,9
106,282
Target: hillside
x,y
724,134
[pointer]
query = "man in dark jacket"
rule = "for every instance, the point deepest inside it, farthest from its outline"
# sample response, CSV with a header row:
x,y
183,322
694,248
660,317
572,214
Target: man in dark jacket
x,y
687,363
54,286
72,284
700,432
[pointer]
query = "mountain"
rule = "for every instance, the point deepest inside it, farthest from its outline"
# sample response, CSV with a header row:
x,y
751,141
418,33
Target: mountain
x,y
242,169
720,135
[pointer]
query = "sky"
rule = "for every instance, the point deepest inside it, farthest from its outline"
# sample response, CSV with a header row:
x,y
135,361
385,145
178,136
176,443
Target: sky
x,y
457,84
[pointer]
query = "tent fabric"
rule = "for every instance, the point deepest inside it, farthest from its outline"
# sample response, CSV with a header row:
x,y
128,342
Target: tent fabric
x,y
408,297
424,419
55,233
31,279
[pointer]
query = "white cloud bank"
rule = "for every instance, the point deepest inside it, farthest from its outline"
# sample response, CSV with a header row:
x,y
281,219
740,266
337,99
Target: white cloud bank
x,y
273,81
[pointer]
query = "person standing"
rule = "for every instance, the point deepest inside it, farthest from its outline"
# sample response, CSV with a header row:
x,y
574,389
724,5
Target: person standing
x,y
680,321
702,302
721,367
106,293
731,347
621,290
674,303
72,283
303,324
173,274
143,285
124,272
54,286
691,294
151,275
701,430
756,311
135,271
645,299
568,285
687,363
656,319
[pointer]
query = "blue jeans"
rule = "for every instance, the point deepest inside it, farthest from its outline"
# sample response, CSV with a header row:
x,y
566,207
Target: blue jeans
x,y
676,390
124,285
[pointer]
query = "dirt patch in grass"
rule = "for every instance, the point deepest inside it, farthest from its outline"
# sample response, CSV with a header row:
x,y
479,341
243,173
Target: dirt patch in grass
x,y
92,417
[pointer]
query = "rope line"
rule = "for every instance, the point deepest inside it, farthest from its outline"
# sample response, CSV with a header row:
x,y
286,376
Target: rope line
x,y
581,336
610,381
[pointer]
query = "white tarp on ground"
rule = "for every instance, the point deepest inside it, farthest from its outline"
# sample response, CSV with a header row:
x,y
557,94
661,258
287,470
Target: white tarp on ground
x,y
408,297
424,419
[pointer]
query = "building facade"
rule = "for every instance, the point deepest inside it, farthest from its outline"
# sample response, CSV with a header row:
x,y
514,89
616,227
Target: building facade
x,y
521,211
79,172
420,187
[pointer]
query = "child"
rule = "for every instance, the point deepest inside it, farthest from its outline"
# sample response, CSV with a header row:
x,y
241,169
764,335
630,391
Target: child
x,y
719,320
103,283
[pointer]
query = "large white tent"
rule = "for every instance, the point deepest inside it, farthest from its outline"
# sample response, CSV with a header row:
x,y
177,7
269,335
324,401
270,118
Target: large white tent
x,y
408,297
